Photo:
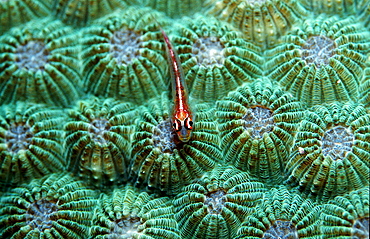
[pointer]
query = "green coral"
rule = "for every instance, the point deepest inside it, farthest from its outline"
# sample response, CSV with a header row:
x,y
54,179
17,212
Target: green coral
x,y
55,206
364,13
261,21
364,89
16,12
160,160
38,63
257,124
126,213
174,8
321,61
215,58
341,7
215,205
83,12
331,153
282,214
98,133
347,216
31,142
123,56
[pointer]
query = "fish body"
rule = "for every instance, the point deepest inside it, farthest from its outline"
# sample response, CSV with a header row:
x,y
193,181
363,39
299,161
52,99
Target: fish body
x,y
182,116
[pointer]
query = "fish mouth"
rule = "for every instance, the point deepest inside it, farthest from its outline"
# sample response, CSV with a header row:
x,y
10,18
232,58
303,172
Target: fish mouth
x,y
185,138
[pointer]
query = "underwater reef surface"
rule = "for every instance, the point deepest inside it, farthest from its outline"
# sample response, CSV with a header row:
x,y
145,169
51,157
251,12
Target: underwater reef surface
x,y
280,143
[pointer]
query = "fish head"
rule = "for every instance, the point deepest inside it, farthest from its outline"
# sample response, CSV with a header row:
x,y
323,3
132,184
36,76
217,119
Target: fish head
x,y
183,128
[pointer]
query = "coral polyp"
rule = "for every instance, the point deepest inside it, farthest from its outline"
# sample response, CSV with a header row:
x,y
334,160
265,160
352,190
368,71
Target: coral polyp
x,y
123,56
160,160
282,214
39,64
127,213
55,206
215,58
215,205
347,216
16,12
321,61
31,142
82,12
334,155
257,124
98,135
262,22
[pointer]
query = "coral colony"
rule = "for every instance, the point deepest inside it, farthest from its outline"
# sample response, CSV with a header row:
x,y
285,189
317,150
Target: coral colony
x,y
280,135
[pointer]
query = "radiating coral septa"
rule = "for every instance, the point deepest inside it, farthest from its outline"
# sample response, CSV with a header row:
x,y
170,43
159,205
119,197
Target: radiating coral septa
x,y
123,56
257,123
98,134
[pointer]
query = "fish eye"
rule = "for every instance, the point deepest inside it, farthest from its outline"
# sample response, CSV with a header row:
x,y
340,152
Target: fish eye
x,y
188,123
176,125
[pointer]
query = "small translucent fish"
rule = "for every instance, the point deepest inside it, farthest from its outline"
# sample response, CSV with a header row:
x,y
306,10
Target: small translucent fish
x,y
182,117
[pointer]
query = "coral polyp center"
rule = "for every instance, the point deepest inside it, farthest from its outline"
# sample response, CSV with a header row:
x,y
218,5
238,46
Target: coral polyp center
x,y
337,142
39,214
125,45
281,229
164,137
97,128
18,137
318,50
258,120
215,201
208,51
32,56
125,228
360,228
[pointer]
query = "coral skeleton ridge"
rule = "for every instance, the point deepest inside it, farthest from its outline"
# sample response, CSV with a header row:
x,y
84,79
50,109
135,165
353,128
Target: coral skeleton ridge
x,y
257,122
123,56
31,142
97,139
279,92
55,206
127,213
322,60
215,58
335,158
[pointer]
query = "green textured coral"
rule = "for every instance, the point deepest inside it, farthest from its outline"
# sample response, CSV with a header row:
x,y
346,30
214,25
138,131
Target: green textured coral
x,y
215,57
364,89
160,160
347,216
38,63
174,8
321,61
98,133
331,153
257,122
123,56
16,12
127,213
340,7
215,205
282,214
55,206
262,22
31,142
82,12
